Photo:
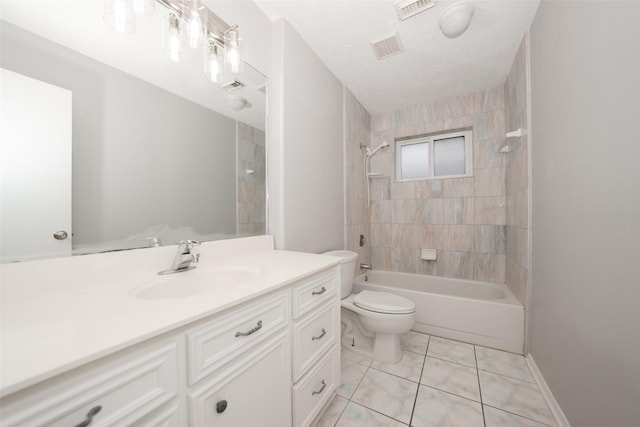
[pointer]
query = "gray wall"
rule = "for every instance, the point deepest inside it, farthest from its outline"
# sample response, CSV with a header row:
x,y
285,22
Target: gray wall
x,y
142,157
306,148
585,311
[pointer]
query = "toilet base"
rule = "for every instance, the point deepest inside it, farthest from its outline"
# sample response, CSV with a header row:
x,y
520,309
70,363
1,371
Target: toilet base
x,y
383,348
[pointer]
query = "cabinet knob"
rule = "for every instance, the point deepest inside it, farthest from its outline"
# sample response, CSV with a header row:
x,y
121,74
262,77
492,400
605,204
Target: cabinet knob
x,y
92,413
221,406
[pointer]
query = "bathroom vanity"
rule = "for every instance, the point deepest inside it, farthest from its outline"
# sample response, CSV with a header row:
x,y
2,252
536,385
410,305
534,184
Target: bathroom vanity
x,y
248,338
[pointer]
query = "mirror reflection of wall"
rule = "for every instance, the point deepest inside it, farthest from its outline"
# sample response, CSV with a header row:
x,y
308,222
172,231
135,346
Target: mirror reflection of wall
x,y
146,163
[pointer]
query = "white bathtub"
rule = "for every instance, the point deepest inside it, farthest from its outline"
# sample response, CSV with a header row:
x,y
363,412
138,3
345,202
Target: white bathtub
x,y
480,313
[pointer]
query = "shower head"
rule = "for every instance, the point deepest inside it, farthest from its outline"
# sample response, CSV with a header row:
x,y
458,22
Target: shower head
x,y
379,147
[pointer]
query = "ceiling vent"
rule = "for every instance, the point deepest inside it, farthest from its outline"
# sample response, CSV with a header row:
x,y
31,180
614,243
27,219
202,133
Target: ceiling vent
x,y
233,85
407,8
387,46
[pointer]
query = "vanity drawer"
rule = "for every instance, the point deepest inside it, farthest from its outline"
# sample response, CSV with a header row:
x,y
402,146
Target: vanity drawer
x,y
121,391
314,389
223,338
314,291
312,337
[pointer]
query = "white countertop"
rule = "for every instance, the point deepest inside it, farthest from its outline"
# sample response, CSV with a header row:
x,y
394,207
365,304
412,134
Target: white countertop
x,y
61,313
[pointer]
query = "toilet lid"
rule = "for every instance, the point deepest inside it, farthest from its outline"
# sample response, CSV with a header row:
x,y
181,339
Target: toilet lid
x,y
383,302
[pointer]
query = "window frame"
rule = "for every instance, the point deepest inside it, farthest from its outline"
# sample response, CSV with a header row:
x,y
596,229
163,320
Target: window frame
x,y
430,141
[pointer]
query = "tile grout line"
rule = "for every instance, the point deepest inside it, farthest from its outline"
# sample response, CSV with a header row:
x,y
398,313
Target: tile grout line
x,y
475,355
415,399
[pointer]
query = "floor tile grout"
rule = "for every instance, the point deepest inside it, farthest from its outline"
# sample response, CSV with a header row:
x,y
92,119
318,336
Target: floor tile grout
x,y
419,383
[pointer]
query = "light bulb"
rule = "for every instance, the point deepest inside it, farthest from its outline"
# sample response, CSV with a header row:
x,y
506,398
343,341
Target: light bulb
x,y
119,15
144,7
232,52
214,66
172,42
195,29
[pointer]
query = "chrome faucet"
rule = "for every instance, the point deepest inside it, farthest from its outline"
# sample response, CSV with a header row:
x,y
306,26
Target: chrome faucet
x,y
184,257
365,267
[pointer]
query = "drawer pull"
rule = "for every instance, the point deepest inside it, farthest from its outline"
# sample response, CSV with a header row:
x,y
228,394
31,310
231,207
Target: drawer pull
x,y
320,292
92,413
321,389
250,331
221,406
324,332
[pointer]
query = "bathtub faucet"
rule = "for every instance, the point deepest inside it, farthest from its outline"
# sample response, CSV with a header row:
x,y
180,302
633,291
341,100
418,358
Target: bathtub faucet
x,y
365,267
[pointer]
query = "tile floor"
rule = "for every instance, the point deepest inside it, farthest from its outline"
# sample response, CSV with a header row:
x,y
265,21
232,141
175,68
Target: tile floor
x,y
438,382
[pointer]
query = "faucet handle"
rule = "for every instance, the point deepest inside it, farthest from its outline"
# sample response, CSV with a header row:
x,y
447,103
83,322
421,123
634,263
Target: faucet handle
x,y
195,257
189,244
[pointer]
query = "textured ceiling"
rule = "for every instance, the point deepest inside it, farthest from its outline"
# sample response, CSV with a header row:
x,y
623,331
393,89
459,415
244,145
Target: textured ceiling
x,y
432,66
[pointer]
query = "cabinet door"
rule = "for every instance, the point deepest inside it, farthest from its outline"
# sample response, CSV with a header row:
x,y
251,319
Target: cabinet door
x,y
254,391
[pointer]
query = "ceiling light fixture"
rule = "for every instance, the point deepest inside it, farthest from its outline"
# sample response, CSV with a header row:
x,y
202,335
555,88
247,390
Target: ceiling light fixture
x,y
118,14
455,19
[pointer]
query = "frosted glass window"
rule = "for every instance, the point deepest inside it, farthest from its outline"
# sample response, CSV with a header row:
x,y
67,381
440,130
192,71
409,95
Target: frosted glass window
x,y
415,161
448,156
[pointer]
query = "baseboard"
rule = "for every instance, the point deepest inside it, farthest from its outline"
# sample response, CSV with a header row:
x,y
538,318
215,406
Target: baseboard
x,y
555,409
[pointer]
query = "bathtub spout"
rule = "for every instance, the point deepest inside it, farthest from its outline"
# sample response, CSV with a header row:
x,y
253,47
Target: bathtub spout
x,y
365,267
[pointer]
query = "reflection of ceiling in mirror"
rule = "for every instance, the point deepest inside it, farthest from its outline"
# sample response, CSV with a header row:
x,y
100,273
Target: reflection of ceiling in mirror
x,y
79,26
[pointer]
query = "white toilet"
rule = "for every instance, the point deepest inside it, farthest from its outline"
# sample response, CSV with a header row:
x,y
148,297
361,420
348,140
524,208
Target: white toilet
x,y
372,321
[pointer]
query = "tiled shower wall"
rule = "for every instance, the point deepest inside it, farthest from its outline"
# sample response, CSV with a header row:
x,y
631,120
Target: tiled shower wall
x,y
251,180
462,218
357,122
517,230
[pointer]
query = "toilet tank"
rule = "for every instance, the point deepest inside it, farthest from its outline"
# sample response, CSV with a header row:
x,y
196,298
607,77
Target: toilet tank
x,y
347,270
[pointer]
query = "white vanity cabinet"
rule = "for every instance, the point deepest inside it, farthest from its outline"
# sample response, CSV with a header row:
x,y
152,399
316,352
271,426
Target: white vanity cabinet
x,y
136,387
239,364
270,361
316,335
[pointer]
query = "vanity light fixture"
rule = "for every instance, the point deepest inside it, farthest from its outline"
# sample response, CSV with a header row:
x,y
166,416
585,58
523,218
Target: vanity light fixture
x,y
118,14
190,24
214,62
144,7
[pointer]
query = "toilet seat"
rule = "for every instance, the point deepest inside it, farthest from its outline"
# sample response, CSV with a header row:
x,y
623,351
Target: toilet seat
x,y
383,302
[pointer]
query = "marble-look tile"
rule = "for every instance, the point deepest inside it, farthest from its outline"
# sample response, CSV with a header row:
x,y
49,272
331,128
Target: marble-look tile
x,y
458,238
429,189
431,236
381,235
430,211
403,190
380,187
486,154
515,396
490,125
451,377
356,415
453,351
409,367
496,418
404,259
503,363
490,100
415,342
490,210
404,211
332,412
381,211
387,394
455,264
381,257
436,408
489,267
351,374
458,210
404,235
351,356
490,182
489,239
458,187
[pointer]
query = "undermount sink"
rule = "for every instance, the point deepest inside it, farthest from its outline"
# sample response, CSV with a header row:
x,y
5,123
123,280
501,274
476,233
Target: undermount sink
x,y
194,282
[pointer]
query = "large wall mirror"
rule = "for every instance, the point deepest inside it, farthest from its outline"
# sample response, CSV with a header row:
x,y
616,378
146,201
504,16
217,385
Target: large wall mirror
x,y
158,153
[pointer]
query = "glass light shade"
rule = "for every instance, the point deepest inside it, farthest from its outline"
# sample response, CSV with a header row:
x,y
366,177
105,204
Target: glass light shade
x,y
119,15
214,64
171,40
144,7
232,55
194,22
